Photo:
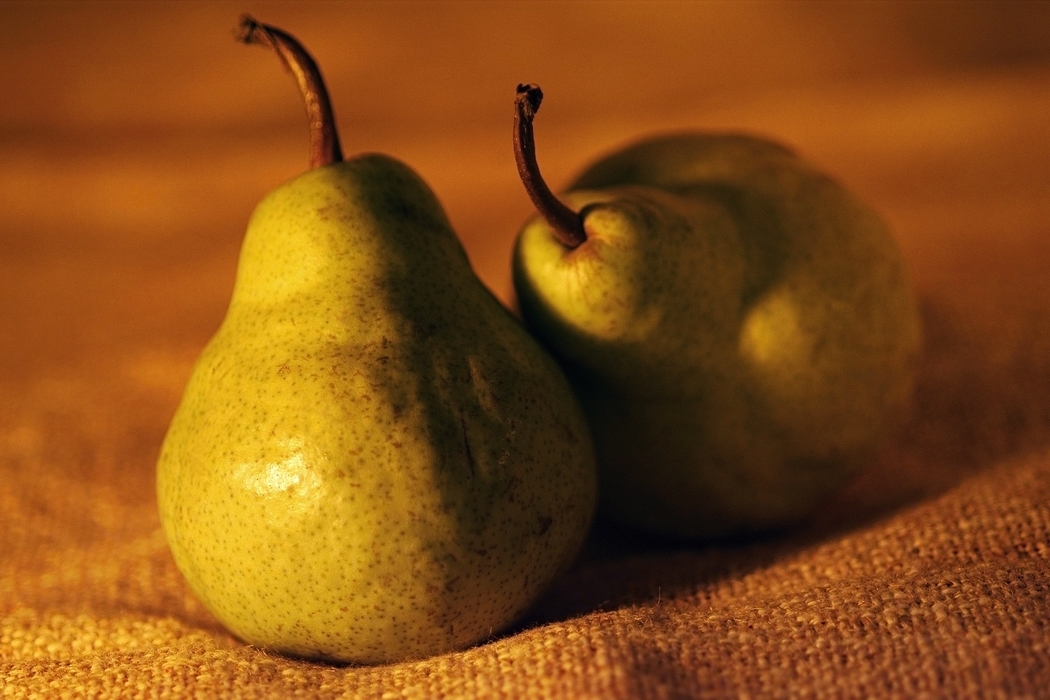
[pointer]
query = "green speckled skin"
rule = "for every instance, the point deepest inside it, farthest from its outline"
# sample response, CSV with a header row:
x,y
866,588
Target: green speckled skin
x,y
372,460
740,330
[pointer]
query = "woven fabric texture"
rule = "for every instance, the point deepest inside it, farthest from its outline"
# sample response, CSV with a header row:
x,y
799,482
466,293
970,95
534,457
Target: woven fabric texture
x,y
944,596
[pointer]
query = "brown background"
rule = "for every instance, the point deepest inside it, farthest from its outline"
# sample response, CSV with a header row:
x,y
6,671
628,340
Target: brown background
x,y
135,138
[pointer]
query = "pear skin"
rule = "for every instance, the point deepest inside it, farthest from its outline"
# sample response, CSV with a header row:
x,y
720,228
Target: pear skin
x,y
372,460
739,327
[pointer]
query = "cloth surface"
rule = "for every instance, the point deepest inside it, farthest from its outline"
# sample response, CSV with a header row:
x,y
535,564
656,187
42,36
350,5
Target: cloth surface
x,y
927,576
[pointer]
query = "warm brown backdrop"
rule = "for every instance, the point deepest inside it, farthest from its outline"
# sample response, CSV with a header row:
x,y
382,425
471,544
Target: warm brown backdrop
x,y
136,137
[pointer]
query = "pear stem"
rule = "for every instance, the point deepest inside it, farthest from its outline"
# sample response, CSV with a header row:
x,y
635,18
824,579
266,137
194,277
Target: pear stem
x,y
567,224
324,140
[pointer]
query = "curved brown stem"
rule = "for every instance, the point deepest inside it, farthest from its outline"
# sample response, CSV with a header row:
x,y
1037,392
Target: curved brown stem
x,y
324,140
567,224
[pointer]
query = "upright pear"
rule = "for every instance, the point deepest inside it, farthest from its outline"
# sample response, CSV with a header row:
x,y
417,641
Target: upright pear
x,y
372,461
739,327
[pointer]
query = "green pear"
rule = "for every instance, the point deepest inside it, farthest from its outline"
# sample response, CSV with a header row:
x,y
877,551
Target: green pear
x,y
739,327
372,461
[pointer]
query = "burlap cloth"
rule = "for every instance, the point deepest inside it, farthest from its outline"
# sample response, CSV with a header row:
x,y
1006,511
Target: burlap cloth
x,y
928,576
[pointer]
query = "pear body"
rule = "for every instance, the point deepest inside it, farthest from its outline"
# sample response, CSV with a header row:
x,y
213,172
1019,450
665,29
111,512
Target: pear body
x,y
372,460
740,330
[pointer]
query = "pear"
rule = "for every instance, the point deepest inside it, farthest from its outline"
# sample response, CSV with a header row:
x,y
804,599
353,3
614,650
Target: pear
x,y
372,461
739,327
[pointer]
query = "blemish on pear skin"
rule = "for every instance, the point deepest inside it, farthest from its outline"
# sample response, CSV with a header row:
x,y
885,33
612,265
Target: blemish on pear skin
x,y
570,435
466,446
545,524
